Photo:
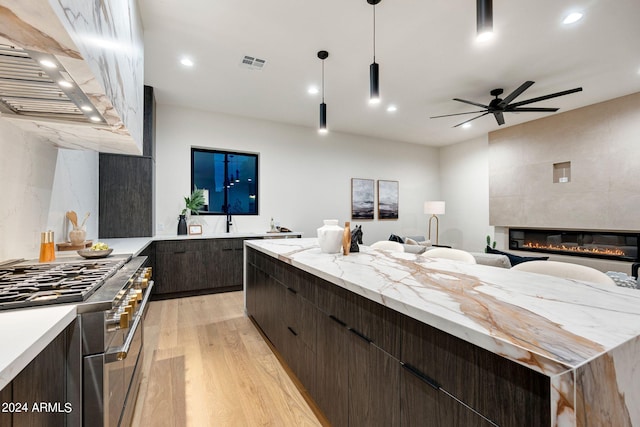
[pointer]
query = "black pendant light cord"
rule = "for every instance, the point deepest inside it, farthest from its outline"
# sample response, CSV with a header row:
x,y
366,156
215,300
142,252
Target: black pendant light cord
x,y
323,81
374,33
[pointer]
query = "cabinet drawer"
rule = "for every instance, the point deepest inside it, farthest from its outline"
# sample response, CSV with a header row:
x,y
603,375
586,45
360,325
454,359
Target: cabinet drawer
x,y
370,319
171,246
503,391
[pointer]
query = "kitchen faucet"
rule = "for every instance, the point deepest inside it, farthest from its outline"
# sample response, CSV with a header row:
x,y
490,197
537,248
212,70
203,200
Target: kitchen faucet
x,y
229,222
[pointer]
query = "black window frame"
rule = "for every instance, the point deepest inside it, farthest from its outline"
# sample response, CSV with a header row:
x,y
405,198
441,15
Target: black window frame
x,y
256,181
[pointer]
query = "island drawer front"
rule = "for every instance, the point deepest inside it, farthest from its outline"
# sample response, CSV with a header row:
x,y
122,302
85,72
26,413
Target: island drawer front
x,y
367,318
505,392
301,282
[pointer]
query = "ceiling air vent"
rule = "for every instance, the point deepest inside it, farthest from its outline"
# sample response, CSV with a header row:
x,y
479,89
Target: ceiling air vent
x,y
253,63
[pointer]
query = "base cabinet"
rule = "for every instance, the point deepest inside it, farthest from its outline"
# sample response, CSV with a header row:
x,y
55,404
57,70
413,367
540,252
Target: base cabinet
x,y
367,365
39,395
195,266
423,404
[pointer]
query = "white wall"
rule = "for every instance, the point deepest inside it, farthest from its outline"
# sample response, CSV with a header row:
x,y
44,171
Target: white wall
x,y
304,177
38,184
464,184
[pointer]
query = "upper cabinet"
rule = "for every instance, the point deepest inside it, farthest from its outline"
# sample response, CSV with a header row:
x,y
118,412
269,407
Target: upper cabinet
x,y
98,47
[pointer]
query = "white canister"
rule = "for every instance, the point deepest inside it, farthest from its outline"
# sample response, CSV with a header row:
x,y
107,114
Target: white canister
x,y
330,236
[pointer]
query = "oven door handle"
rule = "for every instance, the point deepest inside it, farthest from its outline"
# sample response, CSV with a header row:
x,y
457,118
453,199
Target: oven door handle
x,y
120,353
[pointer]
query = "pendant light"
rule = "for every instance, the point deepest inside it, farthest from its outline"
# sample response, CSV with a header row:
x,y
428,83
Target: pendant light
x,y
374,74
484,19
323,54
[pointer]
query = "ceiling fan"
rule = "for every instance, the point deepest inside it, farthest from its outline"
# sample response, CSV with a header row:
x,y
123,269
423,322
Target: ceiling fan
x,y
498,106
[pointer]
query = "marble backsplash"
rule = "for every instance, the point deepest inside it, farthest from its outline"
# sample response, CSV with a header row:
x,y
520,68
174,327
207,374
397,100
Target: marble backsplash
x,y
39,183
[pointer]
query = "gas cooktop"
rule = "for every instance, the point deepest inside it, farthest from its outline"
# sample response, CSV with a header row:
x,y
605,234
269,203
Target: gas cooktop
x,y
33,285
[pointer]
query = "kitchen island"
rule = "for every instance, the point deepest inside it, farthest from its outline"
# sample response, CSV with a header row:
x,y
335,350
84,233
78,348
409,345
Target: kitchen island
x,y
461,344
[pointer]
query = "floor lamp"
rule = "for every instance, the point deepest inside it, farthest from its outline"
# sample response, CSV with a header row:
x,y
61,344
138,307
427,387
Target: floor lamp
x,y
434,208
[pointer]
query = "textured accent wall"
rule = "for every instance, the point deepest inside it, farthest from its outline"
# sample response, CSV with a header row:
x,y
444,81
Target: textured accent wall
x,y
602,143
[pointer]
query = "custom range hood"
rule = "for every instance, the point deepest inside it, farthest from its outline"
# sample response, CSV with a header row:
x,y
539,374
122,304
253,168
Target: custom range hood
x,y
71,72
35,85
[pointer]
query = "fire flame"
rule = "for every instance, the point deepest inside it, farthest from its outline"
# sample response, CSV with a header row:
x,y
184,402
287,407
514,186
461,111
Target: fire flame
x,y
594,250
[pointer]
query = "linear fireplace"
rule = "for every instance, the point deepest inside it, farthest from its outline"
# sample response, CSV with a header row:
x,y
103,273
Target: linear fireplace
x,y
615,245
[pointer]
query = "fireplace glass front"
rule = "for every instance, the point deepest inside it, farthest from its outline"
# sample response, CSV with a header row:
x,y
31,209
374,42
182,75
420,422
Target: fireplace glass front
x,y
621,246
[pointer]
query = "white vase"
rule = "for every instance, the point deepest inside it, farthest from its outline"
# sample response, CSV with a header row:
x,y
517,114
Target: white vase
x,y
330,236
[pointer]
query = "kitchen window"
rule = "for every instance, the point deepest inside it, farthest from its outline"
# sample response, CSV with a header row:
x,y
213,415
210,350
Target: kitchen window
x,y
229,180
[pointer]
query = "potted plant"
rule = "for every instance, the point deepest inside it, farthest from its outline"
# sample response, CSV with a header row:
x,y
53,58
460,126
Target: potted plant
x,y
192,204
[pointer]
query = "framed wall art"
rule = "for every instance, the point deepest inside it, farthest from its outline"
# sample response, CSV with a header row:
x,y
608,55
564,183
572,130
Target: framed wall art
x,y
387,199
362,198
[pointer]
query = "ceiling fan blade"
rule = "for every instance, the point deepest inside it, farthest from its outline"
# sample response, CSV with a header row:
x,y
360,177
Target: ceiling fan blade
x,y
467,121
533,110
470,102
457,114
513,95
499,117
542,98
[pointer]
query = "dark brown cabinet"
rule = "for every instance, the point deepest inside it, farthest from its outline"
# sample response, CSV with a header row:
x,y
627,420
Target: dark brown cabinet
x,y
503,391
332,371
192,266
125,185
285,316
353,381
39,395
375,366
424,404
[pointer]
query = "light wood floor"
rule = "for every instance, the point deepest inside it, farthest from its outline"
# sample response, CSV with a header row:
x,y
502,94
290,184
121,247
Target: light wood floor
x,y
206,364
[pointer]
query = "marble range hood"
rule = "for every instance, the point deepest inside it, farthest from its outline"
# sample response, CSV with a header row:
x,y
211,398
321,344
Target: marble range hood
x,y
99,45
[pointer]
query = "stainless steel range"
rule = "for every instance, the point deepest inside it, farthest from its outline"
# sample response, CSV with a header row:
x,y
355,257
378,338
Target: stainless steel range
x,y
41,284
111,296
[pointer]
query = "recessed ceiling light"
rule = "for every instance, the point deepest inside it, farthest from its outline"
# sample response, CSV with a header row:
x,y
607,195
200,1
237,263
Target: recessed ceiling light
x,y
48,64
313,90
65,83
572,17
392,108
95,119
86,108
186,62
466,125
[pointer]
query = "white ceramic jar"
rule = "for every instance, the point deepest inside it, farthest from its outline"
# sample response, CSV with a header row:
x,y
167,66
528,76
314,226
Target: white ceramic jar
x,y
330,236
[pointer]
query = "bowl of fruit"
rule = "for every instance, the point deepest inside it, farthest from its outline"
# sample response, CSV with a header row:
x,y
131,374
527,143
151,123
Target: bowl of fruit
x,y
97,250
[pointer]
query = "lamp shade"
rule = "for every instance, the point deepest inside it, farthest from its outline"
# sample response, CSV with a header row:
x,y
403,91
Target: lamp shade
x,y
434,207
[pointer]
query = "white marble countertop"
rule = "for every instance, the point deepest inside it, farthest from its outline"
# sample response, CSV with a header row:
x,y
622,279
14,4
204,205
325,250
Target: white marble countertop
x,y
135,245
25,333
548,324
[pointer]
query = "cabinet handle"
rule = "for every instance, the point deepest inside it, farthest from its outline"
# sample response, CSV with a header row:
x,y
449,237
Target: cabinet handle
x,y
338,321
361,335
292,331
293,291
180,252
227,249
421,376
